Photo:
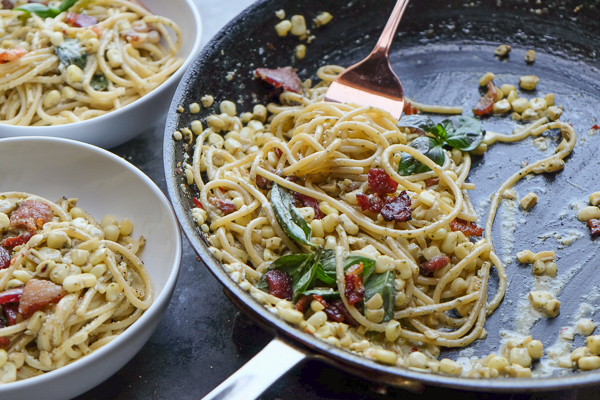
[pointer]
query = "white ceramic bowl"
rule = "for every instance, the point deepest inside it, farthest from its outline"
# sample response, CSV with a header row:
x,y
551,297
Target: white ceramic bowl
x,y
121,125
104,183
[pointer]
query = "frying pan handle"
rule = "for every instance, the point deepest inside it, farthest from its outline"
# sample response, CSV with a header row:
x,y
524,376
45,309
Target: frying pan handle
x,y
259,373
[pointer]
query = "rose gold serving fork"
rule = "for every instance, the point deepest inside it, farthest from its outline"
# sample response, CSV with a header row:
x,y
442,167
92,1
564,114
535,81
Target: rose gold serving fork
x,y
372,82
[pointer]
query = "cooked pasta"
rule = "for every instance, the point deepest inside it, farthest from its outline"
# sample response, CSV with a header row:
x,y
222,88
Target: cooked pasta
x,y
299,196
98,57
68,284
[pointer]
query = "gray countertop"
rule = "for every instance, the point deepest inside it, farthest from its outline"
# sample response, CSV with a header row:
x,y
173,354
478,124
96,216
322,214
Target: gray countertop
x,y
203,338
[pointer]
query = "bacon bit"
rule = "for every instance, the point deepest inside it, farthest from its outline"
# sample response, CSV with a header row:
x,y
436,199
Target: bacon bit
x,y
11,313
311,202
380,182
11,295
356,269
596,127
16,241
594,225
38,293
303,302
280,284
80,20
398,208
465,227
409,109
278,151
8,55
336,311
486,103
29,214
434,264
8,4
432,181
4,258
98,29
263,182
4,340
226,206
371,202
197,203
354,290
279,77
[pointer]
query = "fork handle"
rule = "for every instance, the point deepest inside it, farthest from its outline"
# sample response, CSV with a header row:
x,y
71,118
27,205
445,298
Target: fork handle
x,y
385,40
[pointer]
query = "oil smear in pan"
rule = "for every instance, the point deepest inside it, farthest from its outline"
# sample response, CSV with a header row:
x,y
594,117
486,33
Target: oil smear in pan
x,y
358,229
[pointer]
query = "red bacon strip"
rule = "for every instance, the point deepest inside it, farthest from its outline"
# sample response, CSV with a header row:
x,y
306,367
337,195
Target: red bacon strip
x,y
434,264
281,77
263,182
336,311
409,109
16,241
486,103
280,284
398,208
38,293
4,258
311,202
11,313
432,181
354,289
31,214
466,227
594,225
8,55
80,20
380,182
226,206
11,295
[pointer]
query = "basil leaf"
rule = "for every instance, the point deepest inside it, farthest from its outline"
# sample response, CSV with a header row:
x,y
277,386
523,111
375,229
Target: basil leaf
x,y
66,4
466,134
383,284
288,217
425,145
99,82
70,52
39,9
307,279
368,265
417,121
293,264
329,269
326,293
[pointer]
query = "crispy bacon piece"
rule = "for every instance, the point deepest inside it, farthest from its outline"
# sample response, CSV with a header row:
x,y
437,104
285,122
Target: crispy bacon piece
x,y
372,202
8,55
278,151
434,264
279,77
356,269
31,214
336,311
354,289
8,4
432,181
4,258
466,227
594,225
398,208
380,182
596,127
38,293
226,206
16,241
263,182
4,340
409,109
197,203
11,313
280,284
303,302
11,295
80,20
486,103
308,201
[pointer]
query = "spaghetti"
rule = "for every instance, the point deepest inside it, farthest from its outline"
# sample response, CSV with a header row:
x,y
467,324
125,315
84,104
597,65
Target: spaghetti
x,y
96,58
68,285
425,279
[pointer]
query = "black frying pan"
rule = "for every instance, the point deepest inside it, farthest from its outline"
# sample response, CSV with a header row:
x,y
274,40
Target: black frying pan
x,y
441,49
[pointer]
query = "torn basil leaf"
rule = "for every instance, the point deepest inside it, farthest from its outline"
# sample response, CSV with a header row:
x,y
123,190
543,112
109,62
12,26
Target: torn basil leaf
x,y
45,11
329,269
294,264
288,217
419,122
70,52
384,284
463,133
99,82
427,146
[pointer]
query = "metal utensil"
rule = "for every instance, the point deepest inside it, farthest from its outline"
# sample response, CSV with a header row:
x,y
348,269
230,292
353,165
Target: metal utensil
x,y
373,82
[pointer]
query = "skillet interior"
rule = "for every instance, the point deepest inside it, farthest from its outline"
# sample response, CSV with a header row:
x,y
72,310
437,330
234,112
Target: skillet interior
x,y
439,53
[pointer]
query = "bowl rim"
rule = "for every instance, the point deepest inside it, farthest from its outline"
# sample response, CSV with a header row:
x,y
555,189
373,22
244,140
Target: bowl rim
x,y
173,79
159,303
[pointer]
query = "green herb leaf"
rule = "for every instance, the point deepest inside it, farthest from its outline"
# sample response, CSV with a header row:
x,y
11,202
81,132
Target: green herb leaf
x,y
99,82
425,145
293,264
70,52
66,4
466,133
310,267
39,9
418,122
288,217
368,265
329,270
383,284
